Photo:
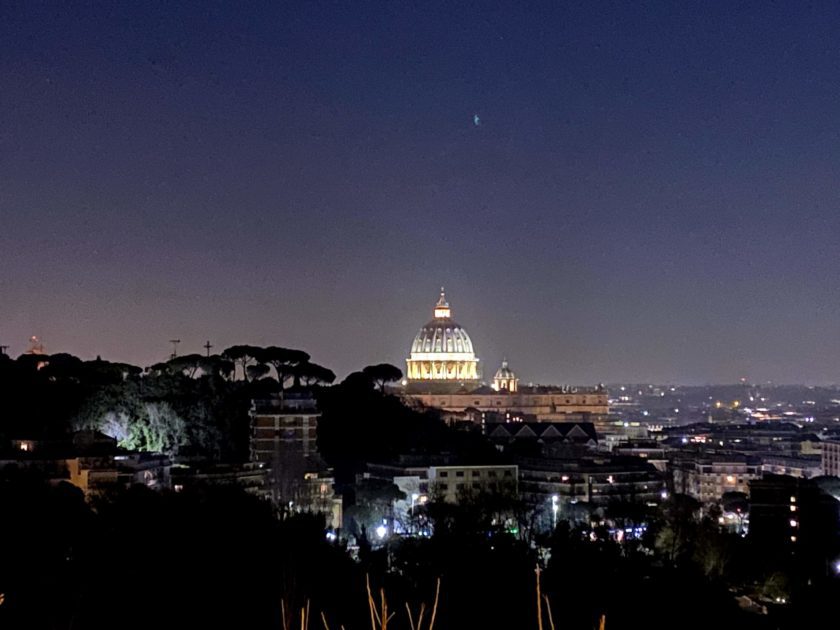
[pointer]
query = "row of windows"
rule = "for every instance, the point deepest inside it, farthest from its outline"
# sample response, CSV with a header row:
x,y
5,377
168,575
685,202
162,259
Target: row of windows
x,y
444,487
474,473
531,402
450,342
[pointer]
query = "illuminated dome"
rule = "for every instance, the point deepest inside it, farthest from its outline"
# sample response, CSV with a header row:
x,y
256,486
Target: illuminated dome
x,y
442,351
505,379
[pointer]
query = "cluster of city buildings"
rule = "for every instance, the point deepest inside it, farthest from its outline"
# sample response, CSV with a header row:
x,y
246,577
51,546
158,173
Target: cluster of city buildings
x,y
89,460
578,451
566,452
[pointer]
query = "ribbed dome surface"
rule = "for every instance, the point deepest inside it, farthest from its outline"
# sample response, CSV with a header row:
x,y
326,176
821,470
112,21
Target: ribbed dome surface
x,y
442,335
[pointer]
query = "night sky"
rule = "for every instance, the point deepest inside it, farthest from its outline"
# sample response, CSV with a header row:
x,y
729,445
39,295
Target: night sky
x,y
651,193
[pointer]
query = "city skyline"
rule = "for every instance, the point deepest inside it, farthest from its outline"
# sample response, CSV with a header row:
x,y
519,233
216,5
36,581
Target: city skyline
x,y
609,193
175,347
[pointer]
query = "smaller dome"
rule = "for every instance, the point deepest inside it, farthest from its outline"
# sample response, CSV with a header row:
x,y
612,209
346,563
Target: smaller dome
x,y
505,371
505,380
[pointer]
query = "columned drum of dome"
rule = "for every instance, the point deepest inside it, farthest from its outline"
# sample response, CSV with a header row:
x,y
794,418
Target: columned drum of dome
x,y
442,352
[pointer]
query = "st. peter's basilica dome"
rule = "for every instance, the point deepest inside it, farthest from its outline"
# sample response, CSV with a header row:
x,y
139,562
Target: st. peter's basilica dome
x,y
442,351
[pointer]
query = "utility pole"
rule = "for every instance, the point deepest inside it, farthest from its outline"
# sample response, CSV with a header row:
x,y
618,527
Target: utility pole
x,y
207,347
174,343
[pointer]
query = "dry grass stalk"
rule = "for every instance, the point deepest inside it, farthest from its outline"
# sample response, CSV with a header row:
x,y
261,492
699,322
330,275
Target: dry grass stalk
x,y
287,617
326,623
371,607
380,617
540,599
422,612
384,607
434,609
410,617
548,610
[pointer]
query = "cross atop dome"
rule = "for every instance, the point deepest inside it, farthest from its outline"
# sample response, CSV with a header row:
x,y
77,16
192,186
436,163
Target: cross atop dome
x,y
442,309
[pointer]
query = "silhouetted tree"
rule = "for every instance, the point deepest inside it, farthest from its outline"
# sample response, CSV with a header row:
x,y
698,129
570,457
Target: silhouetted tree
x,y
188,364
677,527
382,374
257,371
308,374
283,360
243,356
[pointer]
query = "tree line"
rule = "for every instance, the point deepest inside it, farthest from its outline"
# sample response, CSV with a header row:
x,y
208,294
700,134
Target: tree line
x,y
191,404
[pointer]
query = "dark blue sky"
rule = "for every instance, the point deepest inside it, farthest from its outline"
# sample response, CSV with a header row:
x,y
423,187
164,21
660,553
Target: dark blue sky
x,y
653,192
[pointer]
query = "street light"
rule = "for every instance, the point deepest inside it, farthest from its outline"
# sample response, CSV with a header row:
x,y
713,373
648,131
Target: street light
x,y
554,508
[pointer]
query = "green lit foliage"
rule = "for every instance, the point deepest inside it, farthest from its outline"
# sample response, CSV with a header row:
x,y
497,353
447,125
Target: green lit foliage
x,y
42,394
157,428
188,405
168,410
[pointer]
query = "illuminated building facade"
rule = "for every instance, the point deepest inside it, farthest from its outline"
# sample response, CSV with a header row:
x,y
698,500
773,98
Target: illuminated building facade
x,y
706,477
442,352
546,404
831,458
